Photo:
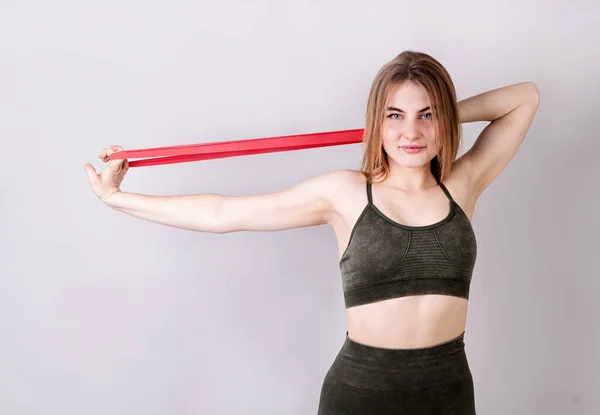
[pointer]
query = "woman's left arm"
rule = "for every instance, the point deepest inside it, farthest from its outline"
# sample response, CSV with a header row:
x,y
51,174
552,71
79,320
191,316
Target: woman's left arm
x,y
511,110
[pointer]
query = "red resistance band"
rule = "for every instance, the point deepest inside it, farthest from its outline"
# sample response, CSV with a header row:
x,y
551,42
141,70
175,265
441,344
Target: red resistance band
x,y
223,149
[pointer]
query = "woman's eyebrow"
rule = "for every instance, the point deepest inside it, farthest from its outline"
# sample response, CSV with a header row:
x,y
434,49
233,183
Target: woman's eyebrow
x,y
399,110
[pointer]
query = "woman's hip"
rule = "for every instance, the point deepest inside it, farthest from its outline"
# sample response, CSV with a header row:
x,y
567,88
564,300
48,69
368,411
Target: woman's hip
x,y
367,379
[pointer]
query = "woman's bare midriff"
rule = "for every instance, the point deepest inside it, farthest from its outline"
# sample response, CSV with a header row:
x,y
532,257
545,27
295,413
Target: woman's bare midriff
x,y
408,322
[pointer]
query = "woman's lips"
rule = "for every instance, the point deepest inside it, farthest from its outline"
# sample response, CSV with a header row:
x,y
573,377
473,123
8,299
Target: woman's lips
x,y
412,149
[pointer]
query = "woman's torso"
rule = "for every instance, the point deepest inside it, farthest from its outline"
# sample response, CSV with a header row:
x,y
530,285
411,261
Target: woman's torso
x,y
408,321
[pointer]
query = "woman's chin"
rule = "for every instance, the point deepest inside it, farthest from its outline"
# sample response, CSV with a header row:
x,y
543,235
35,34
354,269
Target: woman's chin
x,y
412,162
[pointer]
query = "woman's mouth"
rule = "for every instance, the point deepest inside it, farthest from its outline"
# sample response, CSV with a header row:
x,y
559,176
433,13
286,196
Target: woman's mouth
x,y
412,149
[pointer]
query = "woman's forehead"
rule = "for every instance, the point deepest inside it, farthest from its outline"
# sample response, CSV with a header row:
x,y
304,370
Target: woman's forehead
x,y
408,97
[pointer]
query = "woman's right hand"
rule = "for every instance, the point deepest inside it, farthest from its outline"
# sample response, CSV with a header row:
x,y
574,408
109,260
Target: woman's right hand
x,y
108,182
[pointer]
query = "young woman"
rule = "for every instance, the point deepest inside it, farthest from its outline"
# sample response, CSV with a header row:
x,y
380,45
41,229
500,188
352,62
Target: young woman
x,y
403,224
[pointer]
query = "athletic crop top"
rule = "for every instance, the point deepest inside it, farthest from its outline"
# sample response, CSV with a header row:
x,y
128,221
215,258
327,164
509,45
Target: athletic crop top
x,y
385,259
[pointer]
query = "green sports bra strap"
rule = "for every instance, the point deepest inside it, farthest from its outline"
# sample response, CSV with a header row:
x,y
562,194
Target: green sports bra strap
x,y
369,192
446,191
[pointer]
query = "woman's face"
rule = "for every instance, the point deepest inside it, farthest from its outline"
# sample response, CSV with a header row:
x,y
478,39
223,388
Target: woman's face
x,y
409,122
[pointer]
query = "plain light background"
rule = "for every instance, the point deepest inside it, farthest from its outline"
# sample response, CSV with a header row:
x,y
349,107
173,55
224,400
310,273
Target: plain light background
x,y
103,313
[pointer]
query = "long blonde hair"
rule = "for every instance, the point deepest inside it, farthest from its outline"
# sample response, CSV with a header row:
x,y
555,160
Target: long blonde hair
x,y
425,70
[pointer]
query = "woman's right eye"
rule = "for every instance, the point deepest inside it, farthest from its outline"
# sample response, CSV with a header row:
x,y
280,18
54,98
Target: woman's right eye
x,y
393,115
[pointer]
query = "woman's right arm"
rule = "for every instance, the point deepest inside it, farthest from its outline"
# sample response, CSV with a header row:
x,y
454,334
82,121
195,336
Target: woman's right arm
x,y
309,203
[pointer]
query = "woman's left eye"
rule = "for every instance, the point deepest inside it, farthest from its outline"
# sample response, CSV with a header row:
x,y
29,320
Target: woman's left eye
x,y
430,115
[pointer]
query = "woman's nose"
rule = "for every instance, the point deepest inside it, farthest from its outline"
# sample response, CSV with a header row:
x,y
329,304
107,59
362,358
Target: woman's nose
x,y
411,130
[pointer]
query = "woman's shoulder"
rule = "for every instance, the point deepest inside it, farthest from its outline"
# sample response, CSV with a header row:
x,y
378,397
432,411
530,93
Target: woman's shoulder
x,y
344,181
346,191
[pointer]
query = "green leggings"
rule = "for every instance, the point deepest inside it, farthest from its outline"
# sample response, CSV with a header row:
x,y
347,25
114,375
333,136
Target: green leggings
x,y
376,381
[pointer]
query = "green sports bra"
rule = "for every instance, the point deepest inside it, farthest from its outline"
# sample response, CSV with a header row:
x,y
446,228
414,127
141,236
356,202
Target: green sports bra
x,y
385,259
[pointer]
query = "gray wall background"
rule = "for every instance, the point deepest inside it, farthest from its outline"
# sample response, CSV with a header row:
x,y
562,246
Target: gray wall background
x,y
102,313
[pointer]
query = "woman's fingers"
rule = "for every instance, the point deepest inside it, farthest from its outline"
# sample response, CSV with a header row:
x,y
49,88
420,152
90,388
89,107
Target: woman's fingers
x,y
107,151
105,182
105,154
125,166
91,172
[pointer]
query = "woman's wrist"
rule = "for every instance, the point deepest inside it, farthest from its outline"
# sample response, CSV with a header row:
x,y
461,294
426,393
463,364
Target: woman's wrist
x,y
109,199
